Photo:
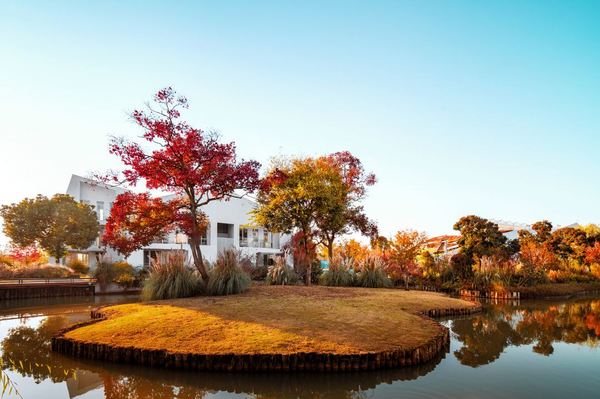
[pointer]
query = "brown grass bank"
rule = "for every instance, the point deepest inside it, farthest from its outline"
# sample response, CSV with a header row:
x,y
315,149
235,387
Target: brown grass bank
x,y
282,328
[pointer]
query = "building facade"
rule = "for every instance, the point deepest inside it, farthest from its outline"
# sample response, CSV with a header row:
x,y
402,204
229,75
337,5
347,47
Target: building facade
x,y
230,226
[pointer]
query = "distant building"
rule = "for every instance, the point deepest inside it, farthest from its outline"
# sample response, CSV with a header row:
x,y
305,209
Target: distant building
x,y
230,226
443,245
448,244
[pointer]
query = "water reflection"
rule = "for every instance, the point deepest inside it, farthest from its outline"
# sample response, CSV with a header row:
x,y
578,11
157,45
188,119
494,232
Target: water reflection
x,y
476,340
486,336
29,348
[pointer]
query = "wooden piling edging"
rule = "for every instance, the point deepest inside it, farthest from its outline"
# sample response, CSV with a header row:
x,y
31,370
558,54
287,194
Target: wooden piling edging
x,y
301,361
510,295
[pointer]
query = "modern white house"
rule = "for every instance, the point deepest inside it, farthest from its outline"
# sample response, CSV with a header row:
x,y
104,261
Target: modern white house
x,y
230,226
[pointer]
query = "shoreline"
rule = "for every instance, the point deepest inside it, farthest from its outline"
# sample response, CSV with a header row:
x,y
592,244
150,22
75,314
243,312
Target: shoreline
x,y
392,355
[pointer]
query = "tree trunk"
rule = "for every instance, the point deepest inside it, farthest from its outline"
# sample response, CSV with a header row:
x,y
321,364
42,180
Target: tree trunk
x,y
57,255
330,249
194,241
197,256
308,262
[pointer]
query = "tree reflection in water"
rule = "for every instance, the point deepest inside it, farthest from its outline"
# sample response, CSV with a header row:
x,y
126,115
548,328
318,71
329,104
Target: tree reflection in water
x,y
485,336
29,347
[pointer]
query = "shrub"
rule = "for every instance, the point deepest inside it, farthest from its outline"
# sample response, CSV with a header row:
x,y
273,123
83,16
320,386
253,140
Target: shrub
x,y
171,278
126,280
36,271
255,272
493,272
371,273
6,260
78,266
281,274
227,277
104,273
527,275
461,266
339,273
595,270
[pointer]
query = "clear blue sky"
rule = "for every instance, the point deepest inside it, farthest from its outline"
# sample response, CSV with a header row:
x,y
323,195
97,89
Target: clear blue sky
x,y
488,108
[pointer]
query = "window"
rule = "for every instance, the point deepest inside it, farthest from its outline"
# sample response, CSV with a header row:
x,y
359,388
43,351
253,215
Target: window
x,y
204,237
100,210
266,239
243,237
224,230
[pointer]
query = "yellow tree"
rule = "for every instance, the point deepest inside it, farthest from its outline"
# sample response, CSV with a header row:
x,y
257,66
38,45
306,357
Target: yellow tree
x,y
292,196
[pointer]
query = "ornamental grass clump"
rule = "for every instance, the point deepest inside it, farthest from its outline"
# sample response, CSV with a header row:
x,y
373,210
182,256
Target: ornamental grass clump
x,y
371,273
281,274
339,274
228,277
171,278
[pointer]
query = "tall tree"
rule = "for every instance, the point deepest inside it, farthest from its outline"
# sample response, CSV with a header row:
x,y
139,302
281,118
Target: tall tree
x,y
54,224
479,237
292,196
543,230
569,242
175,158
345,213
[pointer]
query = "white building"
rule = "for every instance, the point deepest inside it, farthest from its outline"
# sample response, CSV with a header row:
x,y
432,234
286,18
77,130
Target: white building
x,y
230,226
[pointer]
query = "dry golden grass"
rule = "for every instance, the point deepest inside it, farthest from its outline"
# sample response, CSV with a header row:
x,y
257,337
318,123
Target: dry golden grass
x,y
273,319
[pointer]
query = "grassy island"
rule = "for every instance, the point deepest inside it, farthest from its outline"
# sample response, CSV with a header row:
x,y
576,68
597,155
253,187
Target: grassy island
x,y
274,320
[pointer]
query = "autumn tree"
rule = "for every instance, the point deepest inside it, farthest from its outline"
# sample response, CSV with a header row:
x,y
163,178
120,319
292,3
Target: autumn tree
x,y
175,158
352,249
345,213
543,230
53,224
402,253
592,254
293,194
479,237
568,242
537,255
592,232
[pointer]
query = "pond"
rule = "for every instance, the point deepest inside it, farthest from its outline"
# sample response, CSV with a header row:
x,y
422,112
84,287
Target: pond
x,y
519,350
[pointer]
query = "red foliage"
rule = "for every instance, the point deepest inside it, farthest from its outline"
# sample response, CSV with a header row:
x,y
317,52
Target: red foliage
x,y
185,161
352,172
275,178
136,220
592,254
25,255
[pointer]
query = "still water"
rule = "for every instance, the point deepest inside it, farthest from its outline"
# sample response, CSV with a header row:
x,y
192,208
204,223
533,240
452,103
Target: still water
x,y
545,349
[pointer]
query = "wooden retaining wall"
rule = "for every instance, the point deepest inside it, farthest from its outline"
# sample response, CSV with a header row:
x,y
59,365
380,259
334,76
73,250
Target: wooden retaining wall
x,y
490,294
44,291
305,361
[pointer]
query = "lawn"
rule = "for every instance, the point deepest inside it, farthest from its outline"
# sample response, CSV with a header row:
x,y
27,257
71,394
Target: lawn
x,y
274,319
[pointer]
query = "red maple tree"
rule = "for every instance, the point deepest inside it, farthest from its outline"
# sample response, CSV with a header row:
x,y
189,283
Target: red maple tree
x,y
178,159
25,255
592,254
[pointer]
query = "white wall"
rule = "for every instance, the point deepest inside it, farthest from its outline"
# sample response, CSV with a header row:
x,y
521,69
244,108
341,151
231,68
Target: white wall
x,y
235,211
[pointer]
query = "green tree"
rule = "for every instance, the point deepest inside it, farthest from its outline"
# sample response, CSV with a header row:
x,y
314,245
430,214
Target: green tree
x,y
480,237
54,224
